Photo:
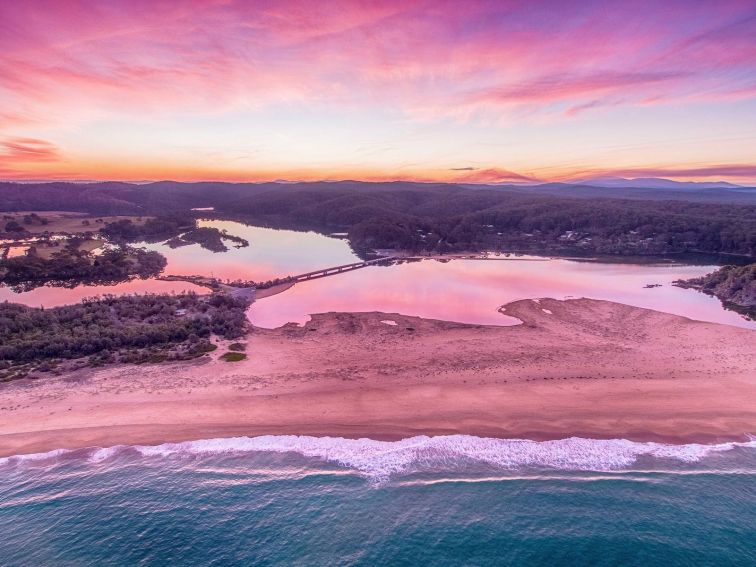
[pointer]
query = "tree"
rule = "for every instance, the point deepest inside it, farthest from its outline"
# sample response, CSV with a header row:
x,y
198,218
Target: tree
x,y
13,226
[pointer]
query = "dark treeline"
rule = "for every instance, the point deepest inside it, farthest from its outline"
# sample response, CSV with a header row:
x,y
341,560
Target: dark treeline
x,y
734,286
71,267
421,220
152,230
147,328
438,217
161,197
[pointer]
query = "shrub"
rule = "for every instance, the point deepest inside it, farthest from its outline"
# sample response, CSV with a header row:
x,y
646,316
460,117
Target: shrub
x,y
234,356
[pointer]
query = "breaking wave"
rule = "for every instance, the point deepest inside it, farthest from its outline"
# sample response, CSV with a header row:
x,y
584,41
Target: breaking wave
x,y
381,460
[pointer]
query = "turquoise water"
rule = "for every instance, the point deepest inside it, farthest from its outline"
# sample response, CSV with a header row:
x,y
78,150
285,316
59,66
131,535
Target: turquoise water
x,y
441,501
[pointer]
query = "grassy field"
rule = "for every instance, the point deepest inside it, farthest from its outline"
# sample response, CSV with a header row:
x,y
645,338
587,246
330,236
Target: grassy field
x,y
59,222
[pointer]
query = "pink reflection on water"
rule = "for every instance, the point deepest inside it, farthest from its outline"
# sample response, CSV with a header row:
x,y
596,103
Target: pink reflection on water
x,y
270,254
54,296
471,291
468,291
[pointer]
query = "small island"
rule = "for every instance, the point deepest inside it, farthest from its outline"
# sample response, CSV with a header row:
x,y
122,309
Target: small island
x,y
176,230
208,238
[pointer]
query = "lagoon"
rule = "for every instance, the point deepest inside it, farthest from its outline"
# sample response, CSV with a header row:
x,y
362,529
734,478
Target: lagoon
x,y
468,291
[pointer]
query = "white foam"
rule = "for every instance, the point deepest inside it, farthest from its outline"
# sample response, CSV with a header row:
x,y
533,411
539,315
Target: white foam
x,y
104,453
389,322
34,457
383,459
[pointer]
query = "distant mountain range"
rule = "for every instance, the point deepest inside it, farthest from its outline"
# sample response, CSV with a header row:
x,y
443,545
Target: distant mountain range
x,y
653,183
41,193
607,182
644,189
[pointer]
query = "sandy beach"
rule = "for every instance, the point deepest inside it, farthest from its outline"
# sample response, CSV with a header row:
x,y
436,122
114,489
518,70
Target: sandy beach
x,y
573,368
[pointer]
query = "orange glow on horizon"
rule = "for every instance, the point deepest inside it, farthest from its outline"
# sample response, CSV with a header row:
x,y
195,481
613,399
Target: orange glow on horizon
x,y
524,91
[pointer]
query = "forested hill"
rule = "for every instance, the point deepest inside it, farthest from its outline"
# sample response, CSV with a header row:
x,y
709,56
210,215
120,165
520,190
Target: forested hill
x,y
440,217
722,195
165,196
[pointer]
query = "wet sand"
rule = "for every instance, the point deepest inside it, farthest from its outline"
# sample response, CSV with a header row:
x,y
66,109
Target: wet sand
x,y
578,367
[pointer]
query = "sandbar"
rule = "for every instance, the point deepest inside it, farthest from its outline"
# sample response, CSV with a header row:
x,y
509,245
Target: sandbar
x,y
577,367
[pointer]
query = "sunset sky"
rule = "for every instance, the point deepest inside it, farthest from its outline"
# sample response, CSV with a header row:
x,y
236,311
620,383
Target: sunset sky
x,y
452,91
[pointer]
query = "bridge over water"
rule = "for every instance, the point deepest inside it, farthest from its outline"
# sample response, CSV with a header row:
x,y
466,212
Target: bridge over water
x,y
249,291
389,259
340,269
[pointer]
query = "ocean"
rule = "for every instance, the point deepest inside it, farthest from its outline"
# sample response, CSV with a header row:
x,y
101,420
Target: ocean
x,y
452,500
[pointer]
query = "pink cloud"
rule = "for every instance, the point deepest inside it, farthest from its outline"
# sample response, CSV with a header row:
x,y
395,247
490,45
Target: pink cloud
x,y
595,90
489,175
27,150
92,57
18,154
68,64
732,170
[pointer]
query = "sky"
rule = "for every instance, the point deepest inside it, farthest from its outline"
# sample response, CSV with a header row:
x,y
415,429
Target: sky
x,y
472,91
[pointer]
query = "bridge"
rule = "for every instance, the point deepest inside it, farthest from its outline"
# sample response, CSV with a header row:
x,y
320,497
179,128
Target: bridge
x,y
340,269
387,260
250,291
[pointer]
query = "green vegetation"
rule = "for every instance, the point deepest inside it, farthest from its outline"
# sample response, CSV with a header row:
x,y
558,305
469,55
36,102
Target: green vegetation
x,y
208,238
178,229
13,228
130,329
238,347
153,230
34,218
421,220
734,286
439,217
71,266
233,356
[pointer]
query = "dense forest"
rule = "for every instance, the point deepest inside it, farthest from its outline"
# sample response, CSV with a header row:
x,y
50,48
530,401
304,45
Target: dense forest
x,y
148,328
437,217
71,267
734,286
446,221
152,230
161,197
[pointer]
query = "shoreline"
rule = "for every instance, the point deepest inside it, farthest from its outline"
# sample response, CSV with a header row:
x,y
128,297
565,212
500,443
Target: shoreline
x,y
143,436
465,445
572,368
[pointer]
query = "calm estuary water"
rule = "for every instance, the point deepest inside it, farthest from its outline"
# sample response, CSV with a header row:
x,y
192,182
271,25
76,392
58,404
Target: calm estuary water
x,y
468,291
